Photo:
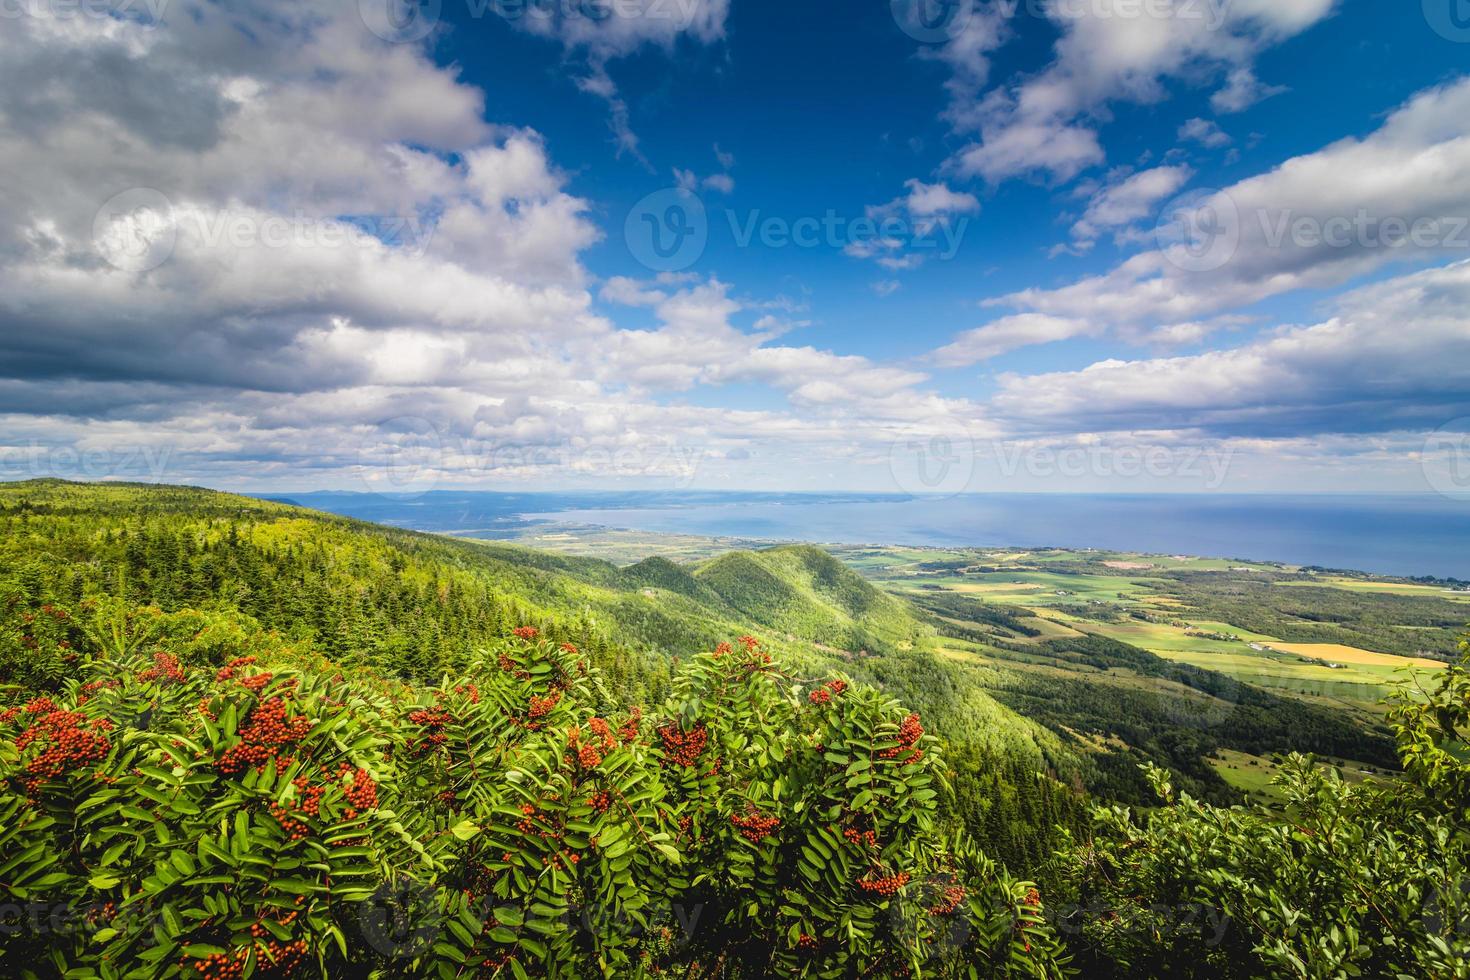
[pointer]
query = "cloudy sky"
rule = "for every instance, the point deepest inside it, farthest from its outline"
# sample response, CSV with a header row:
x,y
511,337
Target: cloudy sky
x,y
736,244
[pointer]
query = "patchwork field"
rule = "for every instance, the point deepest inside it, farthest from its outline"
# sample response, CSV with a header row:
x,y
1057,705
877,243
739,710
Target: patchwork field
x,y
1166,605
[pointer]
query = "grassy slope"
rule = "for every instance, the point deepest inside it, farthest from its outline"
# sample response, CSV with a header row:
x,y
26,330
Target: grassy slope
x,y
808,607
1020,698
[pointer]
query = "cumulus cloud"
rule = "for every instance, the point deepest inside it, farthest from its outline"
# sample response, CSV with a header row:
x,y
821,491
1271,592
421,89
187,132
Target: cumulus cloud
x,y
1242,90
1047,123
1128,200
1395,356
1205,132
1008,334
1400,194
306,256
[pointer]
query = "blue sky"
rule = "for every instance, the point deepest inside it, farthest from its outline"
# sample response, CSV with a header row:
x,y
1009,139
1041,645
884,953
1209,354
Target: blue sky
x,y
391,246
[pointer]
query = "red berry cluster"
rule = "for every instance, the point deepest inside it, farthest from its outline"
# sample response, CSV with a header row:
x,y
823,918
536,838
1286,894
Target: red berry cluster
x,y
806,942
470,691
68,743
227,672
628,730
165,669
820,696
526,632
86,691
40,706
909,734
590,754
258,681
541,707
949,899
361,792
295,829
749,642
866,838
683,748
432,721
600,801
261,739
885,886
569,648
722,648
755,826
603,731
284,957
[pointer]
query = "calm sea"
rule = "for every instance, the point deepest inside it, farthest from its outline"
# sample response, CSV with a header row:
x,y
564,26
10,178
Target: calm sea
x,y
1403,534
1397,535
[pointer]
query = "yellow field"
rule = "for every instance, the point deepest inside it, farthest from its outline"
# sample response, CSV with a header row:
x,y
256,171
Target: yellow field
x,y
993,588
1337,653
1388,588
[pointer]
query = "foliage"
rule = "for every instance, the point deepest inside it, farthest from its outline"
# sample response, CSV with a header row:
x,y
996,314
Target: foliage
x,y
270,819
251,575
1365,880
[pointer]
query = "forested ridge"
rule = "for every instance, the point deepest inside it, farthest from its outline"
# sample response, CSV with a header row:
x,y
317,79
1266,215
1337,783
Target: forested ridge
x,y
238,738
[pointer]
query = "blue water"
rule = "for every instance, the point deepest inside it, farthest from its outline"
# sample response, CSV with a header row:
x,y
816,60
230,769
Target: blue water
x,y
1409,534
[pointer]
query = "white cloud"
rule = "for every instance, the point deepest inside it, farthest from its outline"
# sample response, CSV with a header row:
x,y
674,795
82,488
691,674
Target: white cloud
x,y
1395,356
1008,334
351,242
930,200
1129,200
1242,90
1401,194
1205,132
1047,123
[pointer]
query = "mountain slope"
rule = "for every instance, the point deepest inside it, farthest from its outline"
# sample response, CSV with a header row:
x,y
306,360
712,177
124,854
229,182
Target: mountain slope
x,y
805,592
416,605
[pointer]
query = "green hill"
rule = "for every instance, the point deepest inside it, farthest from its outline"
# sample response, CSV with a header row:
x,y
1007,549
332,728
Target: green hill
x,y
804,592
414,606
